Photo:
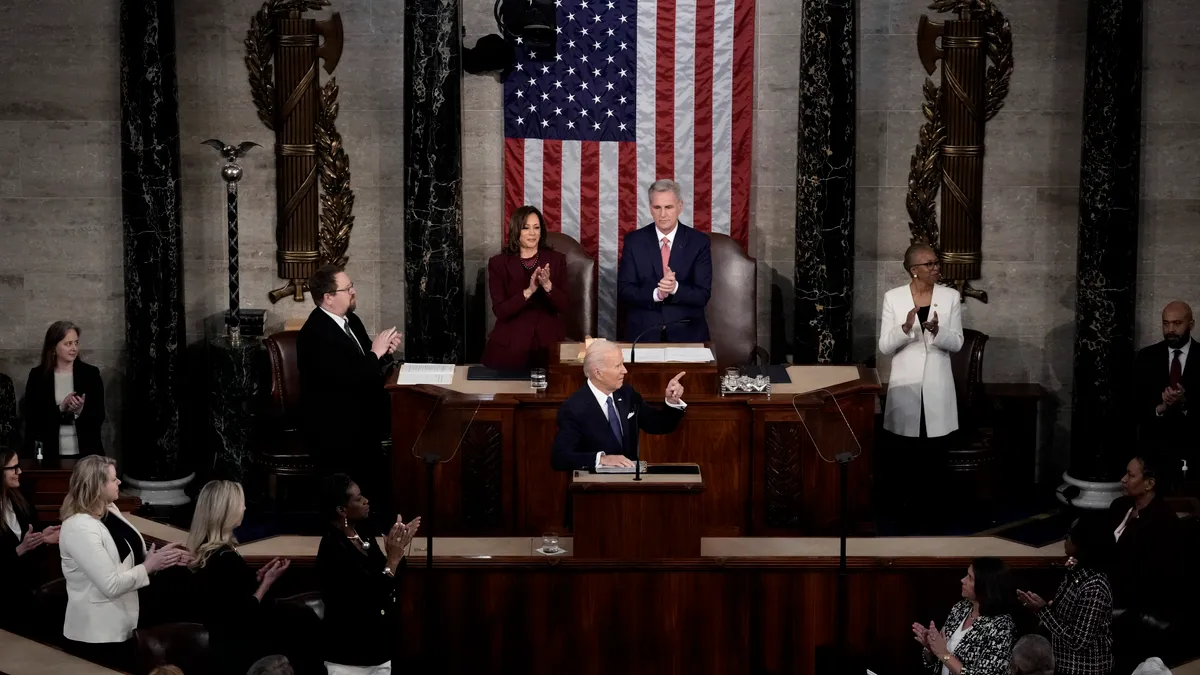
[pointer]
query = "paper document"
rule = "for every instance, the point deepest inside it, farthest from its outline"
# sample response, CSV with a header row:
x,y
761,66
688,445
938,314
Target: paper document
x,y
689,354
621,469
646,354
426,373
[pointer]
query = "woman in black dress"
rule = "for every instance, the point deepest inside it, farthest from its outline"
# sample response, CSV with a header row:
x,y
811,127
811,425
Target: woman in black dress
x,y
20,540
358,581
230,594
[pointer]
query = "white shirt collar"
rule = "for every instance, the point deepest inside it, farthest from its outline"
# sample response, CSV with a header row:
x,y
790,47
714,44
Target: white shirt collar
x,y
601,398
658,235
340,320
1184,349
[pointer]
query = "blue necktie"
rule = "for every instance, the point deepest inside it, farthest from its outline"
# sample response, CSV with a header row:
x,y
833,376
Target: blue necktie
x,y
614,421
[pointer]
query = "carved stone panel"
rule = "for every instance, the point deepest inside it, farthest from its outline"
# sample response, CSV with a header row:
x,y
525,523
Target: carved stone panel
x,y
482,480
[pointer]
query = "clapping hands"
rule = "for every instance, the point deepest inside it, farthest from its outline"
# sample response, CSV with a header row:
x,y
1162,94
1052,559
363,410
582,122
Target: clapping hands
x,y
666,285
73,403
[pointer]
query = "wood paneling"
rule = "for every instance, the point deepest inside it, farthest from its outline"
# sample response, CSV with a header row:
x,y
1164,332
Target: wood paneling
x,y
751,467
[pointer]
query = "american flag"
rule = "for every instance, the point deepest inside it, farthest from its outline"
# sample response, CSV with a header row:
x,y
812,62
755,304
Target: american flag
x,y
635,92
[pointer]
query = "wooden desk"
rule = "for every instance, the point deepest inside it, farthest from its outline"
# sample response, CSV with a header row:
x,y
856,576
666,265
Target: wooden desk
x,y
618,517
45,483
763,473
565,374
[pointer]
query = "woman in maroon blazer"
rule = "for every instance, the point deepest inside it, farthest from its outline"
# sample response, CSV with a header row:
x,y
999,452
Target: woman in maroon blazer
x,y
528,283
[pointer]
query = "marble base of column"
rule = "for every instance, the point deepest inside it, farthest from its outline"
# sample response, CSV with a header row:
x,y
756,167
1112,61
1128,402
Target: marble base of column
x,y
235,376
158,492
1093,495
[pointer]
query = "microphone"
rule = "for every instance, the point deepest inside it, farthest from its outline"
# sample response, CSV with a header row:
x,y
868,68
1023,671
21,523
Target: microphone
x,y
659,327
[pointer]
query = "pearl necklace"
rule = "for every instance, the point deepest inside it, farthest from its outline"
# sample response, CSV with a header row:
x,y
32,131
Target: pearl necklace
x,y
365,544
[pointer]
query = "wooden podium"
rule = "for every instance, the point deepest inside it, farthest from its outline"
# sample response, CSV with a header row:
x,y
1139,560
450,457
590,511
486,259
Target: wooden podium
x,y
618,517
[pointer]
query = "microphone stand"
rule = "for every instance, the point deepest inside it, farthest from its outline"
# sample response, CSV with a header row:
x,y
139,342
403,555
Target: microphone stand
x,y
659,327
429,619
843,582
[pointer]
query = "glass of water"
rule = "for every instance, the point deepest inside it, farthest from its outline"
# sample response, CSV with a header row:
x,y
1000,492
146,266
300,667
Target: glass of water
x,y
537,378
550,543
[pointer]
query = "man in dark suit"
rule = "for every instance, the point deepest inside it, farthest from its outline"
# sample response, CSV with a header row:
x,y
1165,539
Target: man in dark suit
x,y
665,273
1164,378
341,379
598,425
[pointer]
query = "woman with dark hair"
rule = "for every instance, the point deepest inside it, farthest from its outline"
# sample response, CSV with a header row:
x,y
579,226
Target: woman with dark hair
x,y
358,581
64,398
528,286
978,635
20,537
1079,618
1145,575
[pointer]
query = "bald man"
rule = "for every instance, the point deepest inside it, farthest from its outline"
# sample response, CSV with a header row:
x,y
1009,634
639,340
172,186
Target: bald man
x,y
598,425
1164,381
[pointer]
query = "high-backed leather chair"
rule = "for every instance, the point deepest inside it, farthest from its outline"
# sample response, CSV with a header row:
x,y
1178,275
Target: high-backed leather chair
x,y
971,456
304,602
580,320
732,311
282,452
184,645
50,611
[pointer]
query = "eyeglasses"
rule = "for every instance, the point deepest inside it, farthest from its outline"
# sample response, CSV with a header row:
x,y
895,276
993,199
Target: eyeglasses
x,y
931,264
343,290
16,468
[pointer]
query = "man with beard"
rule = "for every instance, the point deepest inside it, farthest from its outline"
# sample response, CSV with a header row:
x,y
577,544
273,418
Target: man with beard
x,y
1164,382
342,397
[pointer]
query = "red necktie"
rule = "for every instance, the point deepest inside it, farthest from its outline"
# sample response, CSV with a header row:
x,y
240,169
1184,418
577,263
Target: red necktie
x,y
1176,369
666,255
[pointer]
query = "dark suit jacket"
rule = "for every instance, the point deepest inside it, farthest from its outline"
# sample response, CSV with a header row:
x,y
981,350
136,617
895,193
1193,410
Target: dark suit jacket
x,y
20,571
640,271
1175,431
526,330
583,429
341,393
43,416
360,600
240,628
1146,571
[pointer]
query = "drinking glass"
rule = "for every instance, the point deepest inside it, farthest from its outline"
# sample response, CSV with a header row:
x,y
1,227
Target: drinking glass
x,y
537,378
550,543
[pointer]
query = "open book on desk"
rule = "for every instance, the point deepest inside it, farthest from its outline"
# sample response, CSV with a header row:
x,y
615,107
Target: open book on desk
x,y
670,354
426,373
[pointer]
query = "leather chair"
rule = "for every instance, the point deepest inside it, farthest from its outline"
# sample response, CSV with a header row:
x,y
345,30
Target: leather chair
x,y
970,453
732,311
49,612
283,456
304,602
580,321
184,645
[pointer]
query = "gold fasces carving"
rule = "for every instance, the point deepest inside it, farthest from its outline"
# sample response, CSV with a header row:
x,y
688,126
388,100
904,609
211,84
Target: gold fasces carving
x,y
315,203
975,53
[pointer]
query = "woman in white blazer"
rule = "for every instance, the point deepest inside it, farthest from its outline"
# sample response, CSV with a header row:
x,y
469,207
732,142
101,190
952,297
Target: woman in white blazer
x,y
921,327
104,563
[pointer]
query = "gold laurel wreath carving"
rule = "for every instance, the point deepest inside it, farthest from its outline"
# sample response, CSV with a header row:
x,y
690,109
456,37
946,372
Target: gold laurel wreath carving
x,y
337,198
925,171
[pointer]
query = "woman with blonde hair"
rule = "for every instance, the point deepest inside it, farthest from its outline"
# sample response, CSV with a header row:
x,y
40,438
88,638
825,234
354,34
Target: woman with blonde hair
x,y
230,593
104,563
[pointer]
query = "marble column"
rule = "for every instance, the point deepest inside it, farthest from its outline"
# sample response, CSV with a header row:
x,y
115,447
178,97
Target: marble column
x,y
825,183
433,218
154,321
1101,429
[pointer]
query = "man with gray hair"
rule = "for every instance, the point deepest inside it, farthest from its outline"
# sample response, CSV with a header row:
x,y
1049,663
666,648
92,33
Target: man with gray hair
x,y
1032,655
665,274
598,425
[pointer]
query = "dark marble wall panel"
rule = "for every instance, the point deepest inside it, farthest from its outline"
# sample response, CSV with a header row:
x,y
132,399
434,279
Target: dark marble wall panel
x,y
1108,235
824,273
154,322
433,220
